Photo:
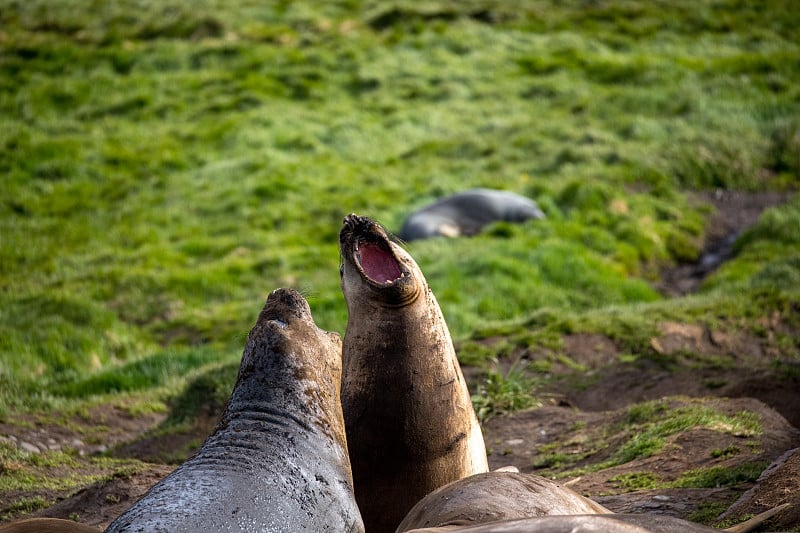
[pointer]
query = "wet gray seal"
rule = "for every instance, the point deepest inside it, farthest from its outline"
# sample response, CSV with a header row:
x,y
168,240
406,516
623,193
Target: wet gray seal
x,y
466,213
495,496
277,460
411,427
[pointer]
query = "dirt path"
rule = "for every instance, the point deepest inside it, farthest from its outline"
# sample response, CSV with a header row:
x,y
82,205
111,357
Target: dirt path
x,y
734,212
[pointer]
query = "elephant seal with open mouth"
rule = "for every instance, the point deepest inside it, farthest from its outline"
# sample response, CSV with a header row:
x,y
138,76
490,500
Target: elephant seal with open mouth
x,y
411,427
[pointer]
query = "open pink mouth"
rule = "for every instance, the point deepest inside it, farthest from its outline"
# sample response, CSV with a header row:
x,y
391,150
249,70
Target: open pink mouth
x,y
378,264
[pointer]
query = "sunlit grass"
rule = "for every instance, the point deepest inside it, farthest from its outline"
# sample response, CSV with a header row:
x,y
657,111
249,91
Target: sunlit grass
x,y
165,167
645,431
504,392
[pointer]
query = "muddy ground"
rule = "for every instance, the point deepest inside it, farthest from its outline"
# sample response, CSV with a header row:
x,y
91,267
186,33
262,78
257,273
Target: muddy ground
x,y
572,437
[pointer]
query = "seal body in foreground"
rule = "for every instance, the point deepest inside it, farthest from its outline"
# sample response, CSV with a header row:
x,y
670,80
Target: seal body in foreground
x,y
605,523
466,213
495,496
410,423
277,460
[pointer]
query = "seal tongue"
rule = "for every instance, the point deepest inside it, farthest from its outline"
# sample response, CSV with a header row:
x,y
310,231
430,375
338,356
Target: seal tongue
x,y
377,263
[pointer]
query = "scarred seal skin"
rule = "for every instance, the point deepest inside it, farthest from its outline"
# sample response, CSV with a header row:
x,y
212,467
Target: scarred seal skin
x,y
503,502
496,496
597,523
466,213
410,423
277,460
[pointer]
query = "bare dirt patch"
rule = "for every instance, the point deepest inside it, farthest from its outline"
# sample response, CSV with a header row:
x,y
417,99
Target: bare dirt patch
x,y
587,440
100,503
691,360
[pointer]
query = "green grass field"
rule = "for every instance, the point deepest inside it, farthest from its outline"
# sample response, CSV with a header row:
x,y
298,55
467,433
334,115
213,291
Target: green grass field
x,y
167,164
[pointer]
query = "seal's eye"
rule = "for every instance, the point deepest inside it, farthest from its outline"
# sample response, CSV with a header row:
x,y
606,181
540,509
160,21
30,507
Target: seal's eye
x,y
341,270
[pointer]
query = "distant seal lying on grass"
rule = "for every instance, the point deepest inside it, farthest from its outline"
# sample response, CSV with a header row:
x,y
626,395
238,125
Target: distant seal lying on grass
x,y
495,496
410,423
277,460
466,213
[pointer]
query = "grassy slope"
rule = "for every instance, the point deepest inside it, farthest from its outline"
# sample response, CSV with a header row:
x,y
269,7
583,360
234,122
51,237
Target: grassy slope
x,y
164,167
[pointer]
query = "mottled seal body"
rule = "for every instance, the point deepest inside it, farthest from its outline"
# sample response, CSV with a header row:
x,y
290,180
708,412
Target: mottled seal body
x,y
277,460
466,213
503,502
496,496
410,423
603,523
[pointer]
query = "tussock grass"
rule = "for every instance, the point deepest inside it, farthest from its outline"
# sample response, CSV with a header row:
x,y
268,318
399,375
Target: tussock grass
x,y
645,431
501,393
718,476
652,422
713,477
24,470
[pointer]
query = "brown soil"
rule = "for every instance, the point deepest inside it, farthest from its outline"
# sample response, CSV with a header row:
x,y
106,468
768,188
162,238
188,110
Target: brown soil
x,y
100,503
778,484
519,439
572,438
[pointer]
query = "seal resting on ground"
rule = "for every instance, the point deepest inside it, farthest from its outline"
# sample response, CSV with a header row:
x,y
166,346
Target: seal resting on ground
x,y
597,523
410,423
503,502
495,496
277,460
594,523
466,213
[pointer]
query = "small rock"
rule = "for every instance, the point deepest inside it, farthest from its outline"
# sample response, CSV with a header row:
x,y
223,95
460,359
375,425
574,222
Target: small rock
x,y
12,438
661,498
77,443
28,447
51,441
514,442
54,447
